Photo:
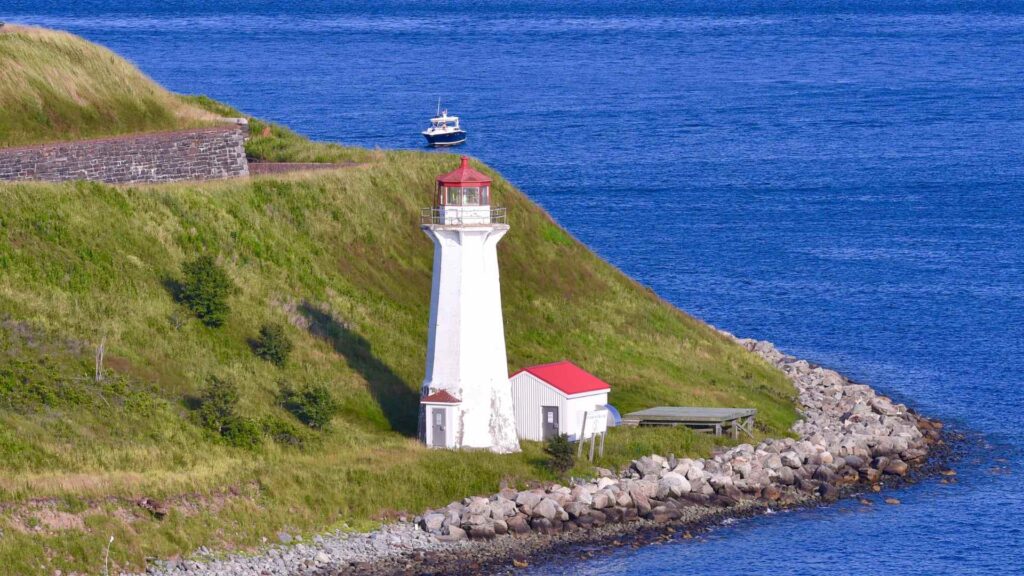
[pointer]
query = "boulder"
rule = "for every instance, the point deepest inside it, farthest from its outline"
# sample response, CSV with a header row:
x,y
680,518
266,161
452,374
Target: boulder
x,y
791,459
481,532
624,500
672,484
647,466
896,467
546,508
542,526
577,509
529,498
518,524
855,462
640,501
581,494
432,522
500,527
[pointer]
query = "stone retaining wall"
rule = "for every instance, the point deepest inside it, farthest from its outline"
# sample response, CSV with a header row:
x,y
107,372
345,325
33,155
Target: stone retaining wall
x,y
199,154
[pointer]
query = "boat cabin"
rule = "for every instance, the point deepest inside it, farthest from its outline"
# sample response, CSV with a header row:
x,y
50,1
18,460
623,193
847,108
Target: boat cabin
x,y
444,130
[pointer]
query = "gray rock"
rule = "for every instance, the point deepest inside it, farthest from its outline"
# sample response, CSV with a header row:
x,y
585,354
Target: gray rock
x,y
432,522
546,508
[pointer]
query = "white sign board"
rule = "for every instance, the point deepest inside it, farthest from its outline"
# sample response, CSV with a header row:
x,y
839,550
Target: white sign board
x,y
595,422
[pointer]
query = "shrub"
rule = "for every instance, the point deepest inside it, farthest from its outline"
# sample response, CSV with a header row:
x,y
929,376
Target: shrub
x,y
243,432
284,432
218,404
273,344
313,404
218,413
205,290
561,455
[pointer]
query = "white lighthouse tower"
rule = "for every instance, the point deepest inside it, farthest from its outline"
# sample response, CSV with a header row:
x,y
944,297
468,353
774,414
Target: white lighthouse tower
x,y
466,399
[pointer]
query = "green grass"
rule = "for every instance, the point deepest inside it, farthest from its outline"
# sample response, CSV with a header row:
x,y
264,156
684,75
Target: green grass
x,y
271,142
338,259
57,86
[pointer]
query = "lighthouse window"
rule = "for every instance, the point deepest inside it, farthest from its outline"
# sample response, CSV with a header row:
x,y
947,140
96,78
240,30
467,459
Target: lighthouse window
x,y
471,196
453,196
485,195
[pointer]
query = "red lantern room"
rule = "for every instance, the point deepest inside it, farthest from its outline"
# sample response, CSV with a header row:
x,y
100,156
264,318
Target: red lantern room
x,y
463,198
463,186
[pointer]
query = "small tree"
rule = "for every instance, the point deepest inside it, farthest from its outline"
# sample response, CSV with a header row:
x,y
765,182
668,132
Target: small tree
x,y
313,404
205,290
560,452
218,412
273,344
217,405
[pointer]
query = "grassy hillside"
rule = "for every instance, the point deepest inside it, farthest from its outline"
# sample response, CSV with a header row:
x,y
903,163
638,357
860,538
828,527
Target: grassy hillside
x,y
338,259
56,86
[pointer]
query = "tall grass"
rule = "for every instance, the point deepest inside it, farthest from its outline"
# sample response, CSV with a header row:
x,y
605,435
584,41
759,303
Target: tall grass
x,y
57,86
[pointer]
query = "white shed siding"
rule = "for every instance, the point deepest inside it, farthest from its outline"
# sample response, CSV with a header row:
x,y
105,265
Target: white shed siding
x,y
529,393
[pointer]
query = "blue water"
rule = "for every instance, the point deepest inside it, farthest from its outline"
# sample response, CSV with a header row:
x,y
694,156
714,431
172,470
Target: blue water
x,y
843,178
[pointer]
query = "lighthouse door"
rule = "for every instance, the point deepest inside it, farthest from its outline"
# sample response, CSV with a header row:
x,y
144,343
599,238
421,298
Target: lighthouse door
x,y
437,422
549,417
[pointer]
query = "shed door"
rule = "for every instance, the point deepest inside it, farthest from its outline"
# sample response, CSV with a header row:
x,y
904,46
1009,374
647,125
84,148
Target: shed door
x,y
437,422
549,420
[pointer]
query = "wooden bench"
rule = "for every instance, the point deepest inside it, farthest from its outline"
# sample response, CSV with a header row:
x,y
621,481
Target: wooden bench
x,y
709,420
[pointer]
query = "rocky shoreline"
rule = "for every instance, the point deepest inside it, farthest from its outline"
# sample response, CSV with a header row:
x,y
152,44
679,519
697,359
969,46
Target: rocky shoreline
x,y
849,438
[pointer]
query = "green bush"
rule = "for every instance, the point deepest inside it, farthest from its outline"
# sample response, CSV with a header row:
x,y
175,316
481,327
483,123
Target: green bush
x,y
561,454
284,432
218,413
243,432
273,344
217,405
313,404
205,290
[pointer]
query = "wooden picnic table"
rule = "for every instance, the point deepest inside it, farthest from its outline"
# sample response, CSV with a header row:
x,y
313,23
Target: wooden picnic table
x,y
700,419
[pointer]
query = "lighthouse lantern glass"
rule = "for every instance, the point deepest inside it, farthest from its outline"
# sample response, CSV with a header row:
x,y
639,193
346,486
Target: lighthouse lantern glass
x,y
463,195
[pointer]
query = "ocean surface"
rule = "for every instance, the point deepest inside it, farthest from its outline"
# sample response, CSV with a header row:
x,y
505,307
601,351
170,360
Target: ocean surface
x,y
843,178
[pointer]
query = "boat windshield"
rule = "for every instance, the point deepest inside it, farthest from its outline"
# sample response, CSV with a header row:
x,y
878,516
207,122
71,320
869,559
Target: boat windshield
x,y
445,121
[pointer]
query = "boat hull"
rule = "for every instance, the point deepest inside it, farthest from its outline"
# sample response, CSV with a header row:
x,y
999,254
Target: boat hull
x,y
446,139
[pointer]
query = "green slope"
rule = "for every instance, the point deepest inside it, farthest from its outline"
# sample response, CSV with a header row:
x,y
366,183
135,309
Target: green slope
x,y
338,258
57,86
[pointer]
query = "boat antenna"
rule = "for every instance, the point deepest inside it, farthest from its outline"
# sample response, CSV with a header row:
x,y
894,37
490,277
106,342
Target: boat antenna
x,y
438,106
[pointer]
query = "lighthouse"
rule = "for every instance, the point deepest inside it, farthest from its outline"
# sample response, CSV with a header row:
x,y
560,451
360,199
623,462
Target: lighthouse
x,y
466,398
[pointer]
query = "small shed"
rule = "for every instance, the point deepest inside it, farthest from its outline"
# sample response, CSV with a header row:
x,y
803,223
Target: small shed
x,y
552,399
439,413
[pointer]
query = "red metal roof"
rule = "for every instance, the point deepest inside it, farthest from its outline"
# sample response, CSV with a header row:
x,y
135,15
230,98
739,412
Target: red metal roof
x,y
441,397
567,377
463,175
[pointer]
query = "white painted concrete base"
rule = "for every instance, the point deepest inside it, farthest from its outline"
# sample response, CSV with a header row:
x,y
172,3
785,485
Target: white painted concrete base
x,y
466,342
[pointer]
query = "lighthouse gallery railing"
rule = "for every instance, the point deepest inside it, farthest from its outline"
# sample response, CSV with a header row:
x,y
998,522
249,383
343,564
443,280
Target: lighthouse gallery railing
x,y
442,217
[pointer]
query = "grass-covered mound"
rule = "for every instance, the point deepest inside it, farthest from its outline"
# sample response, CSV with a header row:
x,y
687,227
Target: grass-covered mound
x,y
57,86
230,445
